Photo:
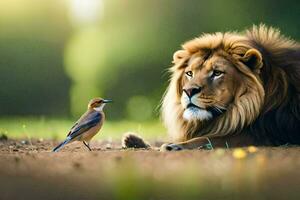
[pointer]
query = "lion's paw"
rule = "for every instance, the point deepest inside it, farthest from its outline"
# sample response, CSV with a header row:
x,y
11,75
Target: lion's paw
x,y
171,147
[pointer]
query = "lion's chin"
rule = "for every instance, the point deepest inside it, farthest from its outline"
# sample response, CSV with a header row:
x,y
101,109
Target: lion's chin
x,y
194,113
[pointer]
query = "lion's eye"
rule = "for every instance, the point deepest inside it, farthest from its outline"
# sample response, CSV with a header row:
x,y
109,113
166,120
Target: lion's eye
x,y
189,73
217,73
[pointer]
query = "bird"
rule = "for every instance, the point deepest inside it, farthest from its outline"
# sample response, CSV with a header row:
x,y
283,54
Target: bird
x,y
88,125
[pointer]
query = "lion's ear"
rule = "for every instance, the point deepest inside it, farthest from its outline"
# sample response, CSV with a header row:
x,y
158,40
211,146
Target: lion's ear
x,y
179,55
253,59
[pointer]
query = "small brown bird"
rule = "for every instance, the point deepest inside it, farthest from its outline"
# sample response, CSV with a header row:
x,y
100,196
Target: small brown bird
x,y
88,124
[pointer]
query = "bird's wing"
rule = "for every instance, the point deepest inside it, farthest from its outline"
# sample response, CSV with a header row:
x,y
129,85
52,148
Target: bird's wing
x,y
73,128
85,123
83,119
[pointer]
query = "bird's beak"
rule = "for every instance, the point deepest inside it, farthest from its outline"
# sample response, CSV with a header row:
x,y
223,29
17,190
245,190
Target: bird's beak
x,y
107,101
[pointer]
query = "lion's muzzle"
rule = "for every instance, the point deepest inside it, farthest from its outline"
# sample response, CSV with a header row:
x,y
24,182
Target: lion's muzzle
x,y
192,109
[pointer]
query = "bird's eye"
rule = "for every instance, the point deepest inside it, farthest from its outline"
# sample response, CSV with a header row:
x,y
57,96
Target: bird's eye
x,y
189,73
217,73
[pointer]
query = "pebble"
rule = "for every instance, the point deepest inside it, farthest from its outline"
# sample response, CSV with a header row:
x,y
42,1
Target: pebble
x,y
24,142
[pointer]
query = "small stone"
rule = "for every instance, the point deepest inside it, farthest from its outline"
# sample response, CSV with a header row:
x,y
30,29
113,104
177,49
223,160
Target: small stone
x,y
24,142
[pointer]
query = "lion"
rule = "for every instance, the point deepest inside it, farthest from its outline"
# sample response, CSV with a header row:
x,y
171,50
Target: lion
x,y
231,90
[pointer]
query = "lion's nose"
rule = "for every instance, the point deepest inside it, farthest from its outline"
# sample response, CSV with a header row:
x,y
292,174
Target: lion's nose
x,y
192,91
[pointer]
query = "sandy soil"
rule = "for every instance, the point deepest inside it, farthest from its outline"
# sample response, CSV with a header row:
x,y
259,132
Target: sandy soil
x,y
29,170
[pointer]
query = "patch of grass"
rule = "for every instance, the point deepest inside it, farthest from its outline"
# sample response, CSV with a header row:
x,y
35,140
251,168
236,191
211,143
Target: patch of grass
x,y
57,128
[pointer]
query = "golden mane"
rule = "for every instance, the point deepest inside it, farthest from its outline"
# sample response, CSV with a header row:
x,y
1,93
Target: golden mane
x,y
275,85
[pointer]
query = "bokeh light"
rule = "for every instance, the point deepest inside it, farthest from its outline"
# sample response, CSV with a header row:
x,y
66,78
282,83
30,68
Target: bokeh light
x,y
84,57
84,53
84,12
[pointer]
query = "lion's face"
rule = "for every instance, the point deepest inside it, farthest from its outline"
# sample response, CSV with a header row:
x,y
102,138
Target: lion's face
x,y
208,86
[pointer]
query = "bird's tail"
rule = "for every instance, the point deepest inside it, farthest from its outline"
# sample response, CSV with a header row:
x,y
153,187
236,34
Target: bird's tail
x,y
56,149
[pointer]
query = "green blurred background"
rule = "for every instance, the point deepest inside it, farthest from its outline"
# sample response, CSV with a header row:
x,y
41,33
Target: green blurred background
x,y
56,55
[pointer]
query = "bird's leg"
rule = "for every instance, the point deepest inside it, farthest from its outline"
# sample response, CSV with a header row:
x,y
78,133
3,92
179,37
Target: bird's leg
x,y
87,145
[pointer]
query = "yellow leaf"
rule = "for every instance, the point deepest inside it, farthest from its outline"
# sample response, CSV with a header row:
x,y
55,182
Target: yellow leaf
x,y
252,149
239,153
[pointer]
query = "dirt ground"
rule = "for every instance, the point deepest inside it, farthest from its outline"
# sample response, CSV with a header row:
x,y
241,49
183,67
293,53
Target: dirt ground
x,y
29,170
